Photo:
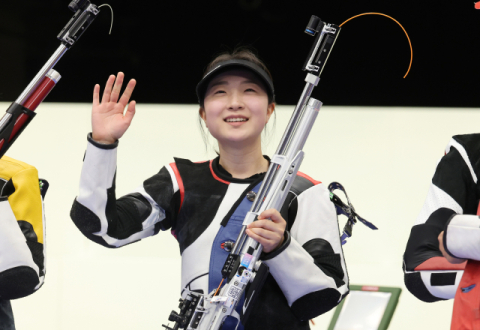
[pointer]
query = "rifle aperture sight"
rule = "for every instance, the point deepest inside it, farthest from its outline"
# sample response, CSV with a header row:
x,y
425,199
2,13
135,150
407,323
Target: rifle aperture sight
x,y
85,13
75,5
325,36
314,25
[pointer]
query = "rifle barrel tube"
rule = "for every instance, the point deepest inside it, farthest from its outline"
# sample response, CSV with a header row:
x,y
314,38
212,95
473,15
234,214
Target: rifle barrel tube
x,y
304,127
45,86
41,74
36,97
307,91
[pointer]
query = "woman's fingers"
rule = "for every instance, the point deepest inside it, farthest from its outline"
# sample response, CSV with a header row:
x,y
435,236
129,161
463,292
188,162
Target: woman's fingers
x,y
271,214
267,243
268,230
130,112
117,87
265,232
271,220
108,89
253,233
111,95
266,224
109,118
96,95
128,92
269,240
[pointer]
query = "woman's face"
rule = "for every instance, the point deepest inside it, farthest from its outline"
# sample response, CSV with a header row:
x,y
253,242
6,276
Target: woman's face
x,y
236,108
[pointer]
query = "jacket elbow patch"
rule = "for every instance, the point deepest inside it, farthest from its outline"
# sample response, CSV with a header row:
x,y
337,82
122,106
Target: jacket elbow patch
x,y
414,284
37,255
27,230
87,222
131,211
34,246
315,303
18,282
423,241
123,222
326,259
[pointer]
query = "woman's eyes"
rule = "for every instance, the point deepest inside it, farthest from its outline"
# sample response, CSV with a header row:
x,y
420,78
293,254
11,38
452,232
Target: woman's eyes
x,y
222,91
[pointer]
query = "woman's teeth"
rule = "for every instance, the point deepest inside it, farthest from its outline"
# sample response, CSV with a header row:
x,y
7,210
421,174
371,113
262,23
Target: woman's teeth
x,y
230,120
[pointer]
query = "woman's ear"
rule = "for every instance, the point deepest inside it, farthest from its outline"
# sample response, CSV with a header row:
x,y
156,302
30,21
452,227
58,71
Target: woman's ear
x,y
270,110
203,115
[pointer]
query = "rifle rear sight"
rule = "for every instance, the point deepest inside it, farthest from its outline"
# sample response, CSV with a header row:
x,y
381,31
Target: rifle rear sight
x,y
325,36
75,5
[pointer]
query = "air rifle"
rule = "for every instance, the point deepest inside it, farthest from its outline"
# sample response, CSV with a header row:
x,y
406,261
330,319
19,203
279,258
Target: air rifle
x,y
242,267
21,112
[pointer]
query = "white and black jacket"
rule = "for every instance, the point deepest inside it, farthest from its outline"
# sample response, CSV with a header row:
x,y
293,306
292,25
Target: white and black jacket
x,y
451,206
196,201
22,234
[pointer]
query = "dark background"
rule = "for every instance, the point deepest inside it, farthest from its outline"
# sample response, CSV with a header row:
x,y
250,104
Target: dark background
x,y
166,46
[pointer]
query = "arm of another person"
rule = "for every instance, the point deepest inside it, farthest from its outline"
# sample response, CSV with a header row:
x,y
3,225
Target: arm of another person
x,y
461,238
22,253
451,197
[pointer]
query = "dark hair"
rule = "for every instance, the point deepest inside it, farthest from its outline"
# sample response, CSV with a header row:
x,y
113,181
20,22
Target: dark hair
x,y
239,53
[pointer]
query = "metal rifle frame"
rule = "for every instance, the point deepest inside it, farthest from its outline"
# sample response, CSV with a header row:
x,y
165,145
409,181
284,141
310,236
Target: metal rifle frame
x,y
208,312
21,112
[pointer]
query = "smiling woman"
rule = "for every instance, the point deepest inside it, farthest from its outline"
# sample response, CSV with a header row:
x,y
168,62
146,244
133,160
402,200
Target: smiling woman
x,y
204,203
245,60
235,111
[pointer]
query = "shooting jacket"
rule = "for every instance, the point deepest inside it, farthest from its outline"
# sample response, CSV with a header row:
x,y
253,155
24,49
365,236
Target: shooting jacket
x,y
197,201
22,234
451,206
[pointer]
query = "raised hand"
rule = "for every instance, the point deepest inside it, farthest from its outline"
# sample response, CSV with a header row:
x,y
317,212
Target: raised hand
x,y
268,230
109,122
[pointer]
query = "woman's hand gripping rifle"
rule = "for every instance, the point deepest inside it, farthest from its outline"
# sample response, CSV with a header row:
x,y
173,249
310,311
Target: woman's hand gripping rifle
x,y
243,265
21,112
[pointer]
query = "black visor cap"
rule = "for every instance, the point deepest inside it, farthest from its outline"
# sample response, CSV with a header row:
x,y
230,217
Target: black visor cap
x,y
231,64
